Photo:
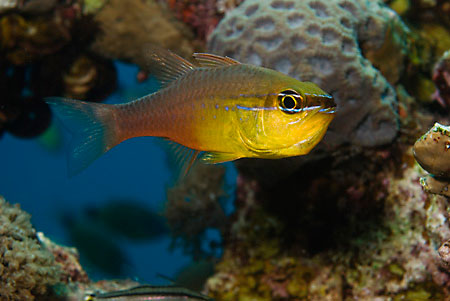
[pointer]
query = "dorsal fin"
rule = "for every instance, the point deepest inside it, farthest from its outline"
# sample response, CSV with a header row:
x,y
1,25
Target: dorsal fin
x,y
166,66
212,60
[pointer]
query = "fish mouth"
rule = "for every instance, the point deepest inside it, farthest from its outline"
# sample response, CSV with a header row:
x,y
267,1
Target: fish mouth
x,y
329,110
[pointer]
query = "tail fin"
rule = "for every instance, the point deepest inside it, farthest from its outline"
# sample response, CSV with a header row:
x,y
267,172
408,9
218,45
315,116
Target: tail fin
x,y
93,128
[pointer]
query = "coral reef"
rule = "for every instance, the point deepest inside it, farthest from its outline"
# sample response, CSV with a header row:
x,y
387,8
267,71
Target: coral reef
x,y
28,6
224,6
324,42
32,267
202,16
30,33
67,47
436,185
89,77
27,39
27,270
423,10
444,252
432,153
67,258
432,150
441,79
128,27
430,37
365,235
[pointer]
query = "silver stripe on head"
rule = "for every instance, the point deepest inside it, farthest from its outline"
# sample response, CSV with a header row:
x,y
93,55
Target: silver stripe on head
x,y
255,108
319,95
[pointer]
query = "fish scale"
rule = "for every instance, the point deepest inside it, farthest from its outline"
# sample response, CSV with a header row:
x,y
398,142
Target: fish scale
x,y
224,109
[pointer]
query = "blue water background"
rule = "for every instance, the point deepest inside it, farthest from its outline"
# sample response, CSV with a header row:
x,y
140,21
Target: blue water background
x,y
36,177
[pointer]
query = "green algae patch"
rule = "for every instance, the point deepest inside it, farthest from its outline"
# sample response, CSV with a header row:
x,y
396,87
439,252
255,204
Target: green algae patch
x,y
421,291
298,286
92,6
396,270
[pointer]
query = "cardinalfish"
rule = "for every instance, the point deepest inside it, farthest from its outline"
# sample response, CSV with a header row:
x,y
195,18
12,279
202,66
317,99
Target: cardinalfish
x,y
149,292
218,111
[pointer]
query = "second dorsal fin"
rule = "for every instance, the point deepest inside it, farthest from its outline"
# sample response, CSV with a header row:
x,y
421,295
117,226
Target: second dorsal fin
x,y
212,60
166,66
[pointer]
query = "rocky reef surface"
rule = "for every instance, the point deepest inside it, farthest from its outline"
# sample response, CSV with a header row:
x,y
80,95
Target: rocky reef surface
x,y
370,236
26,268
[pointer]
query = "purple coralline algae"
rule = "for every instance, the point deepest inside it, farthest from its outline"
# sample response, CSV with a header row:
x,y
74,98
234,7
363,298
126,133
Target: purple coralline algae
x,y
325,42
200,15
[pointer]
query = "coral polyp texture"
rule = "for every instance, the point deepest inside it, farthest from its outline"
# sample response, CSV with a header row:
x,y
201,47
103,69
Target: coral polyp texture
x,y
27,270
323,42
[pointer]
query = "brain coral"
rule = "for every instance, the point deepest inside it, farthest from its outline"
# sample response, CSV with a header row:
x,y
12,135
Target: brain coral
x,y
26,268
320,41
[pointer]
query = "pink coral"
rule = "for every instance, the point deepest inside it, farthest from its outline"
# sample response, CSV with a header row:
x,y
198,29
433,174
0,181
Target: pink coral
x,y
201,15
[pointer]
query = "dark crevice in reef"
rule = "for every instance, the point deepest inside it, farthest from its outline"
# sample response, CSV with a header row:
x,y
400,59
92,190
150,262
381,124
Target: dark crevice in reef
x,y
325,211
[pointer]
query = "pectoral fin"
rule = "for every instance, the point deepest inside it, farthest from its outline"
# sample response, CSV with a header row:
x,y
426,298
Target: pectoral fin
x,y
218,157
184,157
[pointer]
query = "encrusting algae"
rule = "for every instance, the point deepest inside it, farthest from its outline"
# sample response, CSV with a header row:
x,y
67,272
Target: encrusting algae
x,y
225,109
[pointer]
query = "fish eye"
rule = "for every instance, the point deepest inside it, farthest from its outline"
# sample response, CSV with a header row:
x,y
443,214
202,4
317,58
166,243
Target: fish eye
x,y
290,101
